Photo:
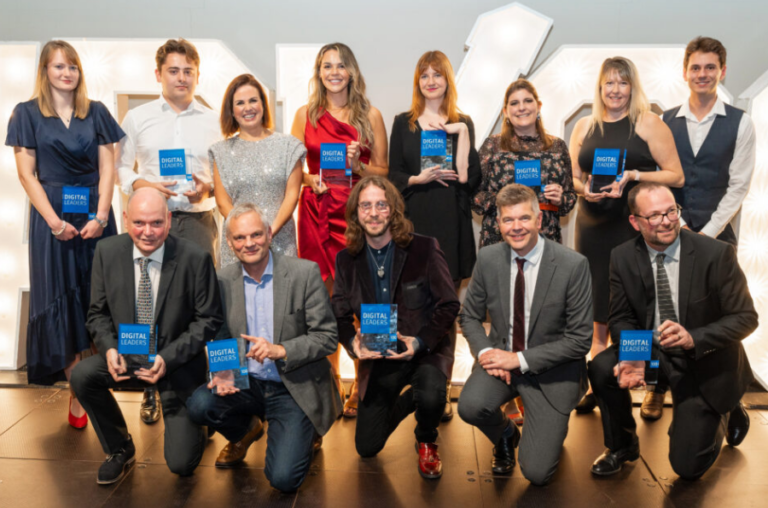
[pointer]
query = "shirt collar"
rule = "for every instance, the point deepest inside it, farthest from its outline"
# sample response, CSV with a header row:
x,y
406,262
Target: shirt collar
x,y
672,252
534,256
193,106
267,272
717,109
156,256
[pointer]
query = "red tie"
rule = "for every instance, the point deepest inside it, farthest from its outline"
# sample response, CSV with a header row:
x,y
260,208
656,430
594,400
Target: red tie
x,y
518,322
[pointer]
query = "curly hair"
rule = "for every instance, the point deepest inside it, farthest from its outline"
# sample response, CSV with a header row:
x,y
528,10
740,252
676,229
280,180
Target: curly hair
x,y
400,227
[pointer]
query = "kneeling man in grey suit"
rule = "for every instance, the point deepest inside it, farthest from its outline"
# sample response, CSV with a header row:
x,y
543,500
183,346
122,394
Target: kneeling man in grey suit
x,y
280,306
539,297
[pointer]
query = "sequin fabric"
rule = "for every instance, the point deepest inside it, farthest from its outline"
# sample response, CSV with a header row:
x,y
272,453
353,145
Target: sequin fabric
x,y
257,172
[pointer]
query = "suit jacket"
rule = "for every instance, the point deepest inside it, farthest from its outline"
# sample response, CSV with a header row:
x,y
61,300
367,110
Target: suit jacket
x,y
187,309
560,326
714,306
424,293
304,326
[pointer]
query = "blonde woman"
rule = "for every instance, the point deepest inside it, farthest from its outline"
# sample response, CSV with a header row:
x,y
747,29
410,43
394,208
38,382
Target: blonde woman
x,y
621,119
338,112
63,143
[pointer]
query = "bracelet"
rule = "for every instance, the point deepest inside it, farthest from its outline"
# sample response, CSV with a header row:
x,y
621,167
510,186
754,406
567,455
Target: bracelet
x,y
637,175
102,223
362,167
63,227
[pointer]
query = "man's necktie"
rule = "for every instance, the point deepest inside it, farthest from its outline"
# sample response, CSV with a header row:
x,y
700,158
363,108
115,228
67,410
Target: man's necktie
x,y
663,292
144,314
518,321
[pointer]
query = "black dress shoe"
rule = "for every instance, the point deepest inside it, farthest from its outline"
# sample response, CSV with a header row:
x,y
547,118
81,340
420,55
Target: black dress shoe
x,y
738,425
151,407
587,404
610,462
503,461
113,469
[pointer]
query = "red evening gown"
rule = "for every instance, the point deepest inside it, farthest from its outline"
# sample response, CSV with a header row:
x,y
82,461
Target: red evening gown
x,y
321,216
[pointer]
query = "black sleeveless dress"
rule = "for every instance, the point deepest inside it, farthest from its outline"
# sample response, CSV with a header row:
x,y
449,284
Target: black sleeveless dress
x,y
604,225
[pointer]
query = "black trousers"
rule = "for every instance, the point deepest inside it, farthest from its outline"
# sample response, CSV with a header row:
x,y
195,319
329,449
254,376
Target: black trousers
x,y
384,407
697,430
184,441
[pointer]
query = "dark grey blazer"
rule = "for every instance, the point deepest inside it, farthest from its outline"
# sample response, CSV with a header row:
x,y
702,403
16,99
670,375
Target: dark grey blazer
x,y
304,326
560,328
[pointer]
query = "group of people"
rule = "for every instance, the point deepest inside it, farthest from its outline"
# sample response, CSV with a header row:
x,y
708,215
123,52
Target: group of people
x,y
392,228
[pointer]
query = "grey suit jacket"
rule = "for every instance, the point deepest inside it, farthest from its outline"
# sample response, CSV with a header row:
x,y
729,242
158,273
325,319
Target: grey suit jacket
x,y
560,328
304,325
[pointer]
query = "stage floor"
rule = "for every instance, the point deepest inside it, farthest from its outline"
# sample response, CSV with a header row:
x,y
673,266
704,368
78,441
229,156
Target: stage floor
x,y
45,463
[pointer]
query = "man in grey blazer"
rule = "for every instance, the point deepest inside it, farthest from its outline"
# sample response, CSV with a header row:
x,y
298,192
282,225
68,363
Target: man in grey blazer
x,y
538,294
280,306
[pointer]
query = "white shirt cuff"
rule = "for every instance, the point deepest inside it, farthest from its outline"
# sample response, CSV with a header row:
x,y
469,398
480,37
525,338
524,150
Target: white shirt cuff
x,y
523,364
482,351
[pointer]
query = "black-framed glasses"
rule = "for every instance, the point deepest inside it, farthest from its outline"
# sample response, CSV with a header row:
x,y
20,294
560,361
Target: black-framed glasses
x,y
381,206
658,218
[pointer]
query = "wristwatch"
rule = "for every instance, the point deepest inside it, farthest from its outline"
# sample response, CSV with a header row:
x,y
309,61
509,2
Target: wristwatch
x,y
362,167
102,223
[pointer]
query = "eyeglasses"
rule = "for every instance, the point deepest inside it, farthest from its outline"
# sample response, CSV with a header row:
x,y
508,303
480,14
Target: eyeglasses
x,y
381,206
658,218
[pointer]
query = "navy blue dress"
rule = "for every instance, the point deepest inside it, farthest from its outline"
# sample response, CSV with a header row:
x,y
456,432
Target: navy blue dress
x,y
60,272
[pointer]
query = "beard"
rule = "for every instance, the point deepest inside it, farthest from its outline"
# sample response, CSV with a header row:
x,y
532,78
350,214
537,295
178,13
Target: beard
x,y
376,231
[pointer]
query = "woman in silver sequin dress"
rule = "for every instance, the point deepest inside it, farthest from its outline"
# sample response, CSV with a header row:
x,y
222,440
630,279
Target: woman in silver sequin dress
x,y
255,164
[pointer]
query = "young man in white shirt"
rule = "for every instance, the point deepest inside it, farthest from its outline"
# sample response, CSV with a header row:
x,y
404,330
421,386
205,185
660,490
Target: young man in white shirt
x,y
716,145
168,140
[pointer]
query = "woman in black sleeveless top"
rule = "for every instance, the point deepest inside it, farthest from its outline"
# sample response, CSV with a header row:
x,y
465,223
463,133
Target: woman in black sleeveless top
x,y
621,119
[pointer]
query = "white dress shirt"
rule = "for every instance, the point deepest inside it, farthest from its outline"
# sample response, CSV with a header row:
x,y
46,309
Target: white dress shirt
x,y
740,169
154,268
530,274
155,126
672,267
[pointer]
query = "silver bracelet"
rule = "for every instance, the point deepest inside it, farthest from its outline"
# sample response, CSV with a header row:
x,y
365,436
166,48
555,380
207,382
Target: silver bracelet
x,y
637,175
63,227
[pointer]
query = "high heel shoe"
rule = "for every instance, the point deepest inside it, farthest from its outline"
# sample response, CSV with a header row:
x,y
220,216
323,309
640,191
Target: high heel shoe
x,y
78,423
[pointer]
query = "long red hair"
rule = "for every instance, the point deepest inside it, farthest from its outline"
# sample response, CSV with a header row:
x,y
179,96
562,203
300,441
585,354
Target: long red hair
x,y
439,63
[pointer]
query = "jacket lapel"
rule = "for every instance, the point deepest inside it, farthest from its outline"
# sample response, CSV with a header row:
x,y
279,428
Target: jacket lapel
x,y
505,280
687,260
281,283
128,275
398,262
166,274
364,277
649,285
544,278
238,320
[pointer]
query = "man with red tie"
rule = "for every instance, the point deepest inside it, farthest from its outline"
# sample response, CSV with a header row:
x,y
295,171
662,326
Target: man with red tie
x,y
538,294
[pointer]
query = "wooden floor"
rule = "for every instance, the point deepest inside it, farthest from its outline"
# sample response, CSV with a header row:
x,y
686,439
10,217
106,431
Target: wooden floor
x,y
45,463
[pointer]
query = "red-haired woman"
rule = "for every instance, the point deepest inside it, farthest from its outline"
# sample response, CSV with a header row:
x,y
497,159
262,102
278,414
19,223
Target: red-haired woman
x,y
437,195
64,147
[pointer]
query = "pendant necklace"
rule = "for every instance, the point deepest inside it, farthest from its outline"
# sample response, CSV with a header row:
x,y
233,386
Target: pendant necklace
x,y
379,269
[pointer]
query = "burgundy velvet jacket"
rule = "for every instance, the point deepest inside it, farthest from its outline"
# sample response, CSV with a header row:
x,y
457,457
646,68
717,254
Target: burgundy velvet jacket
x,y
426,300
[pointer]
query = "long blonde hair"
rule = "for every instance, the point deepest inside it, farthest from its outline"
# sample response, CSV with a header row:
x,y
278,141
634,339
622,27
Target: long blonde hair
x,y
43,87
439,63
638,102
358,105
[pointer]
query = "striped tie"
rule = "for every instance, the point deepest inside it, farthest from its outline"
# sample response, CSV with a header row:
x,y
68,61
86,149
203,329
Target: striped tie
x,y
663,292
144,315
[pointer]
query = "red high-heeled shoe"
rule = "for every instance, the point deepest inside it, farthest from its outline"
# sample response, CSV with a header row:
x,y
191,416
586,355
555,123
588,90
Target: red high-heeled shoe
x,y
78,423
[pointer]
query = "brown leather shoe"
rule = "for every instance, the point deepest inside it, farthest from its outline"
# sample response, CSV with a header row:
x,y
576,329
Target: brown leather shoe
x,y
234,453
317,443
653,405
151,407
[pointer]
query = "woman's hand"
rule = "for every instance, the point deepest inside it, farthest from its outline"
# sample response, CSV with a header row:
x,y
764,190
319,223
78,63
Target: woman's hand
x,y
433,174
91,230
554,193
616,189
353,156
450,128
69,232
318,187
589,196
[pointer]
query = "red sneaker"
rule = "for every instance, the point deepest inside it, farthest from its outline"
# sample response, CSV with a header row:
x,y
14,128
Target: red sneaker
x,y
430,465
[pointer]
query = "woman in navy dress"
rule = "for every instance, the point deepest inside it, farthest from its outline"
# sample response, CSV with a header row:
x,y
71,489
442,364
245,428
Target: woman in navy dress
x,y
63,145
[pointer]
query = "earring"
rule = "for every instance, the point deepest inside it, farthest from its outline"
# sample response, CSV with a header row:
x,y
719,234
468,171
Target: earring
x,y
538,116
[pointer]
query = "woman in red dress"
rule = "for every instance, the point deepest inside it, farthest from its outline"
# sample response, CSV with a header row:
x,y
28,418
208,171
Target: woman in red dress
x,y
338,111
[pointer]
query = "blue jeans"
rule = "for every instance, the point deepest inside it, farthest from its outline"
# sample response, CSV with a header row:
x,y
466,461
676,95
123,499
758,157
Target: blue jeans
x,y
289,432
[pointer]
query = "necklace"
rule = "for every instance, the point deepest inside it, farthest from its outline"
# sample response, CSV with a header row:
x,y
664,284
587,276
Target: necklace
x,y
379,269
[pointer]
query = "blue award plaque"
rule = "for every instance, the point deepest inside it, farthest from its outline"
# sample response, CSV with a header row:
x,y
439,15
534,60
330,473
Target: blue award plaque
x,y
76,200
334,156
227,364
641,346
378,327
173,162
605,168
528,173
436,150
135,345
